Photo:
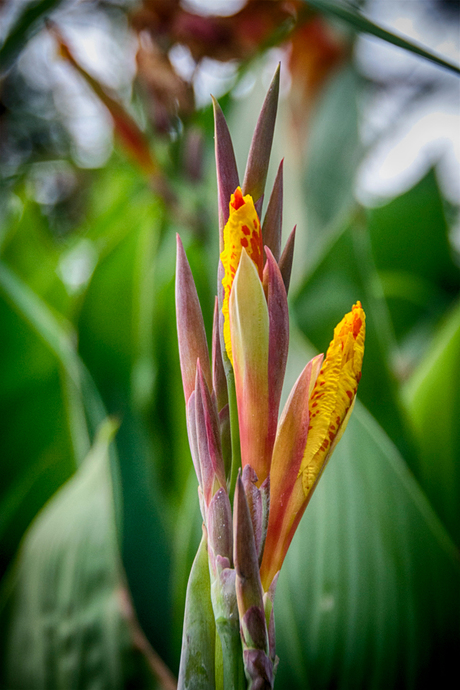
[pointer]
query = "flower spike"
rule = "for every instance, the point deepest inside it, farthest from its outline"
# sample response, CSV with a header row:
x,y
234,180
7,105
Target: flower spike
x,y
256,473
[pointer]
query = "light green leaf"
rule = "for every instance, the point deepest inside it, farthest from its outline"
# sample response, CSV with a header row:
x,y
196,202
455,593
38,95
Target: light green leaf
x,y
433,400
354,18
369,595
65,610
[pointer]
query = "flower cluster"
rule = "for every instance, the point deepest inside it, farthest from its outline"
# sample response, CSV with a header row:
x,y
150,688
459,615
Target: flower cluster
x,y
244,456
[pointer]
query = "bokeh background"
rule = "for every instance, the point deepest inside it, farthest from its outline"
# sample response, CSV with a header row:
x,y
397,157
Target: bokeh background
x,y
106,151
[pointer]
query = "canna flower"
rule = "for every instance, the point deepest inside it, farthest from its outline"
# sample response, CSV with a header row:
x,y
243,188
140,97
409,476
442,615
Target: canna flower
x,y
256,474
313,421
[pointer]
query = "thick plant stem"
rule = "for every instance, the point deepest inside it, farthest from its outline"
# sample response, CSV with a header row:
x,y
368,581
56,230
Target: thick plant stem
x,y
234,431
232,655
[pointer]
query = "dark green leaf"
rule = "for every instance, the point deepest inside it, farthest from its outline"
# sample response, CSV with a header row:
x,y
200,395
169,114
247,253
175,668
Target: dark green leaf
x,y
29,21
412,253
433,398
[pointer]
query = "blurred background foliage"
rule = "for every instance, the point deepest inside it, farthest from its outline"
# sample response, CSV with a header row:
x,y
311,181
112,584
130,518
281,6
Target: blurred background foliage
x,y
106,151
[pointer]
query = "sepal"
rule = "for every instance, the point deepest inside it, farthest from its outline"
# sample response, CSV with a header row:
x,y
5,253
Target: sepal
x,y
219,526
219,381
191,333
287,257
258,504
278,347
227,173
273,221
208,439
261,145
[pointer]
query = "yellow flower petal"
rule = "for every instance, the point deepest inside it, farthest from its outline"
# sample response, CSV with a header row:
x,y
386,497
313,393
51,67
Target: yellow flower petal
x,y
241,231
333,394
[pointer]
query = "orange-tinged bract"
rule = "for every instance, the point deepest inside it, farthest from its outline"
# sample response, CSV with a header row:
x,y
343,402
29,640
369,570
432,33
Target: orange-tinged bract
x,y
242,231
333,394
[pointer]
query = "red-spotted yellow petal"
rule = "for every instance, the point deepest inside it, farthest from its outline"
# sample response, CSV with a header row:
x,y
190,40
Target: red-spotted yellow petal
x,y
311,425
242,231
334,393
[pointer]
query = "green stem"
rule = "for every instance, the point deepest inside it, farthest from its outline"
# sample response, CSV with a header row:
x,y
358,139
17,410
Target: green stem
x,y
232,655
234,432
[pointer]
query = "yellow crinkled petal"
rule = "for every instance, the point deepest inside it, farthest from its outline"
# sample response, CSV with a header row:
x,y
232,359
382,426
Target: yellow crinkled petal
x,y
333,394
241,231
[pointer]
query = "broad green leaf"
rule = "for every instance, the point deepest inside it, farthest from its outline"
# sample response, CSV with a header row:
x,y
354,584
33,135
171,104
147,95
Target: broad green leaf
x,y
42,392
433,399
66,622
118,341
331,159
353,17
411,249
369,595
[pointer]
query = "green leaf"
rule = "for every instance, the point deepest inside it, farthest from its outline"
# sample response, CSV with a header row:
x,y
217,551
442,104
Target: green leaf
x,y
333,153
46,400
357,21
412,253
122,345
67,626
369,595
29,21
433,400
197,670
